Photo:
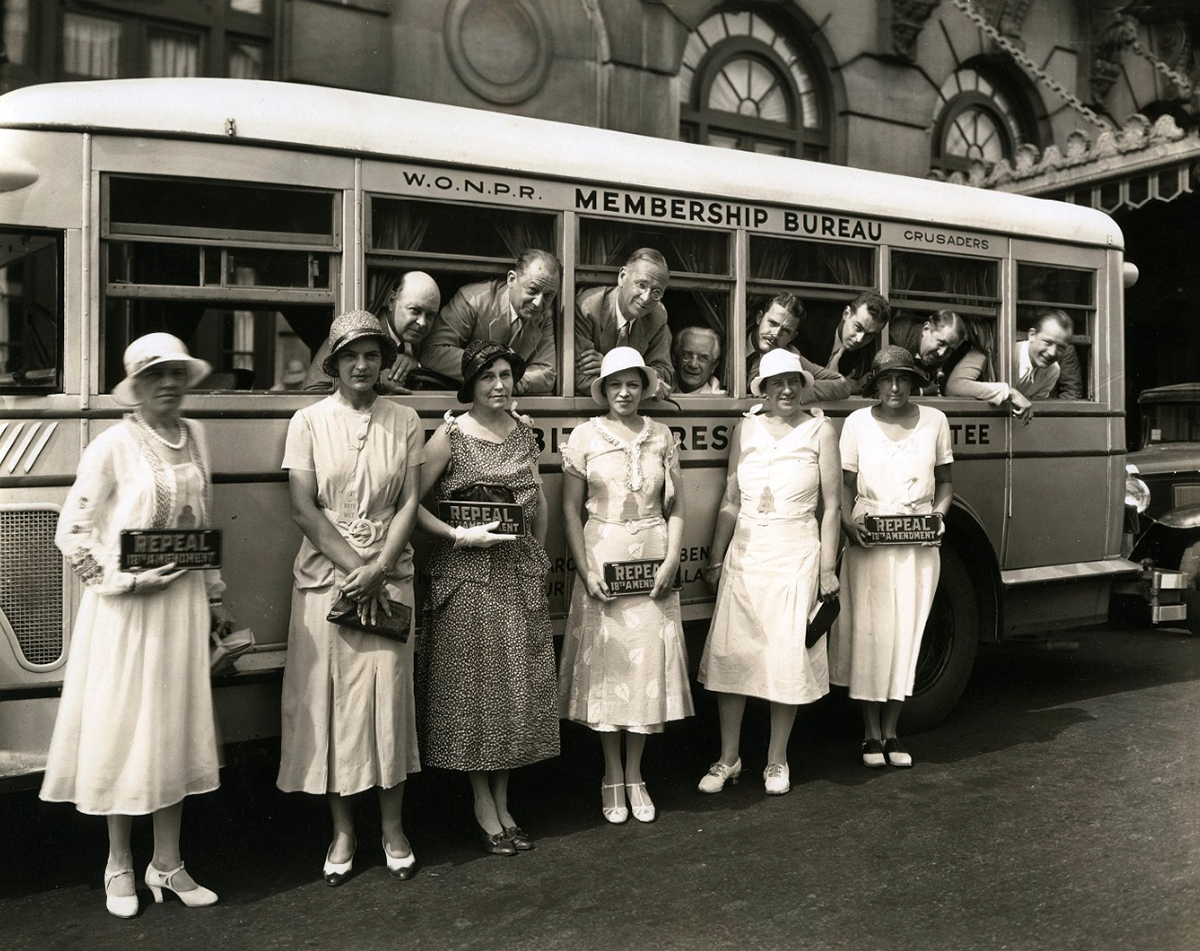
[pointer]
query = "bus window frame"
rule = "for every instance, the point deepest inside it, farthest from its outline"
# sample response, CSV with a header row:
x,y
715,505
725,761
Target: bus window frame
x,y
61,385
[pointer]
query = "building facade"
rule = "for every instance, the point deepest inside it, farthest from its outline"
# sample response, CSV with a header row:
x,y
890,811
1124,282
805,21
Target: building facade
x,y
1088,101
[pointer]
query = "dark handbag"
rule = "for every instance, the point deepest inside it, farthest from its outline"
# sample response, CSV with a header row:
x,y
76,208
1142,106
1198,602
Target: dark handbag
x,y
394,628
483,492
820,623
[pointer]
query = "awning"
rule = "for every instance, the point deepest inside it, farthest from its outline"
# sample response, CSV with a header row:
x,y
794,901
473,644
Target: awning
x,y
1126,168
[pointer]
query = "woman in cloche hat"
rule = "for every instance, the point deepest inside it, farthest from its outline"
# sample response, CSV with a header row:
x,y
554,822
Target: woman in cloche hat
x,y
354,470
135,732
624,664
771,562
896,461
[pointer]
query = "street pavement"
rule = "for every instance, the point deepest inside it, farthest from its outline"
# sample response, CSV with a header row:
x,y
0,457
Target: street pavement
x,y
1057,809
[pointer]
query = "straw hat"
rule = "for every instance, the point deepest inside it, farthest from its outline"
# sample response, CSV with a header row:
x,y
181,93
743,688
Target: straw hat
x,y
477,357
354,325
618,359
891,360
775,362
151,350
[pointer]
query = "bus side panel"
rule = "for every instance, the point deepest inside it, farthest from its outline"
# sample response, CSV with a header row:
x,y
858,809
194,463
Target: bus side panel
x,y
54,199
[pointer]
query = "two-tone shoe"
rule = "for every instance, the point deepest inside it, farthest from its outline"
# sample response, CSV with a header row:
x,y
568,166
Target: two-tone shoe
x,y
401,867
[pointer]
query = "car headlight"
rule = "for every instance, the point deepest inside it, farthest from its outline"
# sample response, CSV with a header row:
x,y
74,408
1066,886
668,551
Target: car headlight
x,y
1137,493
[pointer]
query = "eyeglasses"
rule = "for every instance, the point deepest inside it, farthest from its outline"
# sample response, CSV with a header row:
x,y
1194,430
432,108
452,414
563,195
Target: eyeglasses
x,y
655,293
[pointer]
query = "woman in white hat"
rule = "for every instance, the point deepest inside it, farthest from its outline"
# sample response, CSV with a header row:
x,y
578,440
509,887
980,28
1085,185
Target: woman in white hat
x,y
771,562
349,714
896,460
624,664
135,732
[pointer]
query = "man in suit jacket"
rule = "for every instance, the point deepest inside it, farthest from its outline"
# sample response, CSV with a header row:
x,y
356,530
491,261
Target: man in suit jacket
x,y
776,327
628,315
412,306
517,312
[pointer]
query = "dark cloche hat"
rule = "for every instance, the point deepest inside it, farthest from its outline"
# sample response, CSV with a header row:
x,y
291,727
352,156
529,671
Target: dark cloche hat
x,y
477,357
891,360
354,325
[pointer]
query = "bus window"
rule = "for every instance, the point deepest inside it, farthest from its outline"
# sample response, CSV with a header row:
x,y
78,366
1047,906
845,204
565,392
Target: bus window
x,y
825,277
922,284
1070,290
462,247
30,316
700,292
245,275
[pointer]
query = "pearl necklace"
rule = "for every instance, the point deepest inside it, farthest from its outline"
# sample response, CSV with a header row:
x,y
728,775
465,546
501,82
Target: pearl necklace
x,y
183,433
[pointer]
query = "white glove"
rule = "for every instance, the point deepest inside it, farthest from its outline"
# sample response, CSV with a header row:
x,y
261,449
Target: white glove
x,y
479,536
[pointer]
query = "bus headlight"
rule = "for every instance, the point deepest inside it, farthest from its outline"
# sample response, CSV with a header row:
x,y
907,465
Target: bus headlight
x,y
1137,493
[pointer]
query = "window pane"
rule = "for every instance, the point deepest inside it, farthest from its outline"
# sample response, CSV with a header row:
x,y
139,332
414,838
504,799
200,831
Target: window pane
x,y
91,46
722,141
30,321
16,29
211,204
248,267
246,60
174,54
254,7
609,243
811,262
963,280
131,262
1054,285
399,225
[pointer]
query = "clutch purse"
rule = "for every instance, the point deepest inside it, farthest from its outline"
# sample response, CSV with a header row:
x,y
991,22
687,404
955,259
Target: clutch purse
x,y
394,628
483,492
820,623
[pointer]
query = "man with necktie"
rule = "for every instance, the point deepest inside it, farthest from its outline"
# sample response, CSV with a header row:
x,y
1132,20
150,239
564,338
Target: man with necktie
x,y
517,312
411,307
628,315
862,322
1035,366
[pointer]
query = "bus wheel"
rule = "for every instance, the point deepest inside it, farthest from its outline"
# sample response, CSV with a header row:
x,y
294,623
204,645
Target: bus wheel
x,y
947,648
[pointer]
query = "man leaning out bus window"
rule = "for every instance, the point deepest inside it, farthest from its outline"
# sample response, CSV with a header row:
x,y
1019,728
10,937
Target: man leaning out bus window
x,y
412,305
517,312
1035,364
776,326
932,343
628,315
862,322
697,352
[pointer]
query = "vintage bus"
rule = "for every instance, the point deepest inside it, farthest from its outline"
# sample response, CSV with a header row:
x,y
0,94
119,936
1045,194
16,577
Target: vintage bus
x,y
242,216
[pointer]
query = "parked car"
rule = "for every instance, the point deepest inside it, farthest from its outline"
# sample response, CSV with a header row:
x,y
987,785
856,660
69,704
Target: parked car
x,y
1162,494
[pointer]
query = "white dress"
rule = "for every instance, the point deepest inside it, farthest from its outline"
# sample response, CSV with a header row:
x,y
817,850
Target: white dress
x,y
135,731
887,591
771,575
349,712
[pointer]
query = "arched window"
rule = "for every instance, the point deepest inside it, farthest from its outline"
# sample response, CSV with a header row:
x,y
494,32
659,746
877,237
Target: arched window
x,y
976,120
745,84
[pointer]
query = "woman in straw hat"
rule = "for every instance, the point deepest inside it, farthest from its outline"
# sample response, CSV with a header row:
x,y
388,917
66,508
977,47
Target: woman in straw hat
x,y
896,459
624,664
772,561
354,468
486,687
135,732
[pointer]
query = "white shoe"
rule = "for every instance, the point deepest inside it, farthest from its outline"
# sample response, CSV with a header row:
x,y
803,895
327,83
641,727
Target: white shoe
x,y
196,897
778,779
718,774
646,811
121,906
614,814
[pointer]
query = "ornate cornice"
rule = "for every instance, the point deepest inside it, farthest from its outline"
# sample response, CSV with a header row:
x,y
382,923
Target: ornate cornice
x,y
1138,148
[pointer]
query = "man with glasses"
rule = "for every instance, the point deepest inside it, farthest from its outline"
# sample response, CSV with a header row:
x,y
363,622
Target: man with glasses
x,y
628,315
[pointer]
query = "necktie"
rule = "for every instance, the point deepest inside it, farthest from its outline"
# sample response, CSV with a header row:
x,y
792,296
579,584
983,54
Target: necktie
x,y
623,335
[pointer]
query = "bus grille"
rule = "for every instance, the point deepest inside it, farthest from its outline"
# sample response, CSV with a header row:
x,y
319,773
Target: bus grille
x,y
31,582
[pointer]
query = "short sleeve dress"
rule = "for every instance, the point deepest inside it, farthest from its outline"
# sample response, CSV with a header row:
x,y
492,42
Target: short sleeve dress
x,y
771,575
135,730
624,663
486,686
349,717
887,591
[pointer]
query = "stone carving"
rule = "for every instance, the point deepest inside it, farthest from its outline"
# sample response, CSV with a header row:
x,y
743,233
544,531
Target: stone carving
x,y
500,49
908,19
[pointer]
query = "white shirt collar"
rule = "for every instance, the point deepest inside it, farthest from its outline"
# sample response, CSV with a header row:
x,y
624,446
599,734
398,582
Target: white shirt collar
x,y
513,316
622,323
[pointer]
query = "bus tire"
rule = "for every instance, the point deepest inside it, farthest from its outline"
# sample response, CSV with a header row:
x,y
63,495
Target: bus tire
x,y
948,647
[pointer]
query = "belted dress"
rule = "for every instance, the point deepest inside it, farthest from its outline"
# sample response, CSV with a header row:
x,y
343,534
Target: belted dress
x,y
349,715
771,573
624,662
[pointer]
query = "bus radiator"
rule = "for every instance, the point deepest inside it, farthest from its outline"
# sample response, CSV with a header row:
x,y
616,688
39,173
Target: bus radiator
x,y
31,583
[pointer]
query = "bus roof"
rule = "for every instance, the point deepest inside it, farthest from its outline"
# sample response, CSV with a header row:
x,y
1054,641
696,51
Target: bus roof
x,y
318,117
